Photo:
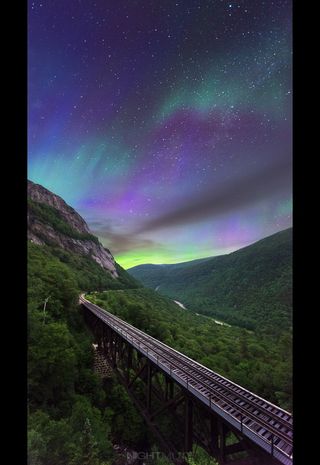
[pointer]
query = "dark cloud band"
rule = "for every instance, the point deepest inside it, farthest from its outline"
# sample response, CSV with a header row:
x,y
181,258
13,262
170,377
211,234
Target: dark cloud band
x,y
240,193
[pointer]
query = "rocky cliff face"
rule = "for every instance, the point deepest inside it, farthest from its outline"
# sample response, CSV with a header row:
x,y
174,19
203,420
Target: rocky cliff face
x,y
41,232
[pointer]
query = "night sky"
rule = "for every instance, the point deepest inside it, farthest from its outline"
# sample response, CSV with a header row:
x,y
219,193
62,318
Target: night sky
x,y
165,124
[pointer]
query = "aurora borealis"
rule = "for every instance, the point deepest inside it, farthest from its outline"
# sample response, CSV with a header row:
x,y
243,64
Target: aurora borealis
x,y
165,124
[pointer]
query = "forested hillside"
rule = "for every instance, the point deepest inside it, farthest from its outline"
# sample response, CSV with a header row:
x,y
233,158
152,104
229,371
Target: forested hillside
x,y
73,416
250,287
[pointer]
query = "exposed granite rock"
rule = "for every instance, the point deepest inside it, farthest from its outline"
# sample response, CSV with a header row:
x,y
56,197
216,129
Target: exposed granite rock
x,y
41,233
40,194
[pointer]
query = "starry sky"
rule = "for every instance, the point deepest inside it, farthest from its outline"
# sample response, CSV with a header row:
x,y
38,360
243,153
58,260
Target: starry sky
x,y
165,124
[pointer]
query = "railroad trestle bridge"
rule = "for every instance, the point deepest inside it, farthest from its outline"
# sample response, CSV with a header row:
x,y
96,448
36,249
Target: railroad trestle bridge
x,y
185,403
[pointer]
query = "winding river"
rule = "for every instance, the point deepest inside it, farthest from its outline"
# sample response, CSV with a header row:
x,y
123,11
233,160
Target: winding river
x,y
198,314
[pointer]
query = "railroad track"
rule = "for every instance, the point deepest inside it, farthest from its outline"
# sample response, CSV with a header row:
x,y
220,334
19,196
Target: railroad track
x,y
271,423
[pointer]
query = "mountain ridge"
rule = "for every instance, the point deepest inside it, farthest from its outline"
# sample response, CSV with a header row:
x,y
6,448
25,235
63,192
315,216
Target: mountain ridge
x,y
189,262
249,287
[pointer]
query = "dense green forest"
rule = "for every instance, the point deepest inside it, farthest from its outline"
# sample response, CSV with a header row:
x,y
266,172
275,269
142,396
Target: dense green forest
x,y
251,287
73,417
253,359
85,271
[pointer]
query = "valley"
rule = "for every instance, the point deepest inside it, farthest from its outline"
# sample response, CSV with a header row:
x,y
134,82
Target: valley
x,y
250,288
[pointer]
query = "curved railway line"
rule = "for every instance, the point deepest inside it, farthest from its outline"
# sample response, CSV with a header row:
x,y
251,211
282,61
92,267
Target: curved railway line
x,y
265,423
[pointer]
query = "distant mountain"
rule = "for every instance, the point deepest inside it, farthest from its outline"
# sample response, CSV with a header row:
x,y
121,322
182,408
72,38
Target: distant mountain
x,y
61,232
250,287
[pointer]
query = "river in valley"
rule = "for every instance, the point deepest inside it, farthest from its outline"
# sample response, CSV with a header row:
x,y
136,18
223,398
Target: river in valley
x,y
198,314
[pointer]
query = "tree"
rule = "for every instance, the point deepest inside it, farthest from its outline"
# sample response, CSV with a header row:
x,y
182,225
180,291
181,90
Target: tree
x,y
88,445
50,441
52,364
100,429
